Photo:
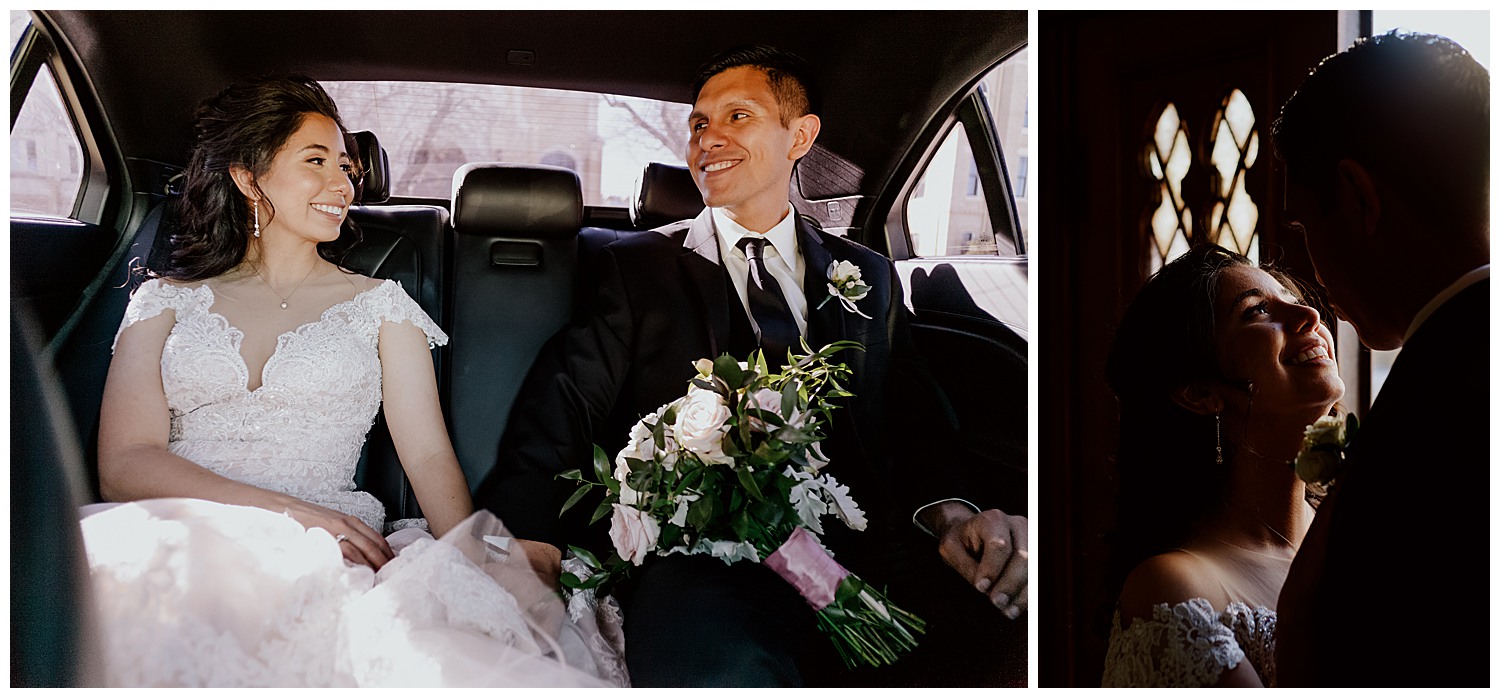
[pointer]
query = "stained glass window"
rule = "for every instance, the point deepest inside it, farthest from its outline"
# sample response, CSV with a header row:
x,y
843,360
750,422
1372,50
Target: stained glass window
x,y
1168,158
1236,145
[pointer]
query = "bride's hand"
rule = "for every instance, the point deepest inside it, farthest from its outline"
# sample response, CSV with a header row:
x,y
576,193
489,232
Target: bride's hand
x,y
358,542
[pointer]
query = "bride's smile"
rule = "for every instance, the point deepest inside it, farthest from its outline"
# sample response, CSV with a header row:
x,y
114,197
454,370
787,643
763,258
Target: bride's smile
x,y
1268,337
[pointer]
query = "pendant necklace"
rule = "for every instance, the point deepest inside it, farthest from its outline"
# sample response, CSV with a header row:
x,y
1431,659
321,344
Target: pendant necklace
x,y
288,296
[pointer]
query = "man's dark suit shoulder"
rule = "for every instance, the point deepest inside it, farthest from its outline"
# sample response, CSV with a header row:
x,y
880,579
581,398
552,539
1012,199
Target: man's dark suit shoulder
x,y
1413,514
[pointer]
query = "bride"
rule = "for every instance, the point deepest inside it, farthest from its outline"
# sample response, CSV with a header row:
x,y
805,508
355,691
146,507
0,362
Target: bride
x,y
1218,366
243,383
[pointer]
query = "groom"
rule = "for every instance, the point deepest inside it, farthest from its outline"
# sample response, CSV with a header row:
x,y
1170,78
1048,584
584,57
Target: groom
x,y
1386,148
747,273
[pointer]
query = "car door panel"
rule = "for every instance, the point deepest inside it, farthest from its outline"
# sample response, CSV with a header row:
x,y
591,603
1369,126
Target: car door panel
x,y
52,262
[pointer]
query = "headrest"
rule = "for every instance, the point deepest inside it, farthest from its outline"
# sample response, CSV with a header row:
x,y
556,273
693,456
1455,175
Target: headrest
x,y
376,186
664,194
514,200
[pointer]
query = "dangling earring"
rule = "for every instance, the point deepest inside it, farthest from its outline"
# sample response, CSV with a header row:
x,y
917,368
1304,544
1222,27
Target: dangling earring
x,y
1218,443
257,218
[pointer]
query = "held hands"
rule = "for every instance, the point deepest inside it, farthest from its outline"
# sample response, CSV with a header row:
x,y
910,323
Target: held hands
x,y
990,549
545,559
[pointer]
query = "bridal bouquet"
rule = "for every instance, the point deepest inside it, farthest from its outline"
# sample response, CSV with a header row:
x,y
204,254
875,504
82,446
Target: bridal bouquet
x,y
1321,457
733,469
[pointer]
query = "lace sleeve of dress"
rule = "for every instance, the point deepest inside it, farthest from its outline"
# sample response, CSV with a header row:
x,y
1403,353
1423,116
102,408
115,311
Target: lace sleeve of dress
x,y
150,300
396,306
1184,645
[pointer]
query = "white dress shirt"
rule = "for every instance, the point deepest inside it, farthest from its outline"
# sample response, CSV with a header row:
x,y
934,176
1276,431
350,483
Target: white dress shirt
x,y
783,260
1453,289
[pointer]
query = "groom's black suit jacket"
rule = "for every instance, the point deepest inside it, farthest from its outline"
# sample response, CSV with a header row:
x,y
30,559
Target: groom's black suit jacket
x,y
664,301
1403,598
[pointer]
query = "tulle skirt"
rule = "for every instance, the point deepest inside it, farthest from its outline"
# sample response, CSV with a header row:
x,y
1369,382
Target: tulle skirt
x,y
195,593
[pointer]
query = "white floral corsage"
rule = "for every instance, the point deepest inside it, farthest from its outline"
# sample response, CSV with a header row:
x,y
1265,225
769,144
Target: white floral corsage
x,y
845,283
1322,456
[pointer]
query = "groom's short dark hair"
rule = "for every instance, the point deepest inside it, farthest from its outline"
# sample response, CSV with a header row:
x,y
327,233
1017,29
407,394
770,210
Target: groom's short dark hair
x,y
1413,109
797,94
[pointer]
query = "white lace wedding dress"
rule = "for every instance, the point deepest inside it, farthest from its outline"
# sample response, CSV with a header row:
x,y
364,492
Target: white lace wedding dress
x,y
1191,643
195,593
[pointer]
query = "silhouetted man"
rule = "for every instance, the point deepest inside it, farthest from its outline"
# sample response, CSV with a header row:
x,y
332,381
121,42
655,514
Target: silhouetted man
x,y
1386,148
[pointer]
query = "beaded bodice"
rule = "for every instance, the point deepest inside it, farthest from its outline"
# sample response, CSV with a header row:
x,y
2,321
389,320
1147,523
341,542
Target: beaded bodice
x,y
300,432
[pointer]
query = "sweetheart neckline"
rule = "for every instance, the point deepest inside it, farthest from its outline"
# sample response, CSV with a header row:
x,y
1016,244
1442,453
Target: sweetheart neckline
x,y
237,335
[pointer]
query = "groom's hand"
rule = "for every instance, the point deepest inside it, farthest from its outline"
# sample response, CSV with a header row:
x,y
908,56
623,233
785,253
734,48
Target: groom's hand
x,y
990,549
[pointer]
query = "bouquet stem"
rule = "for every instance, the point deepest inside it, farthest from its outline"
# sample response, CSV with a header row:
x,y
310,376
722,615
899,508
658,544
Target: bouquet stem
x,y
866,628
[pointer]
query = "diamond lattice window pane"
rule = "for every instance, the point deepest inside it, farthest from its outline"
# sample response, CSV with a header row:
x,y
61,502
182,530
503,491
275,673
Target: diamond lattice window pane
x,y
1168,159
1236,145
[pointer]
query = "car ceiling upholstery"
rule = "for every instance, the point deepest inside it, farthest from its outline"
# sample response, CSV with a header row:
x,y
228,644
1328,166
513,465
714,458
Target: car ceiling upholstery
x,y
885,74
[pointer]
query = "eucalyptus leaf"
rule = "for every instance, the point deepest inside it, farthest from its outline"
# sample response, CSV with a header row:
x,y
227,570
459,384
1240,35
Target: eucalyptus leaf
x,y
727,369
573,498
589,558
742,524
604,509
747,479
601,464
849,587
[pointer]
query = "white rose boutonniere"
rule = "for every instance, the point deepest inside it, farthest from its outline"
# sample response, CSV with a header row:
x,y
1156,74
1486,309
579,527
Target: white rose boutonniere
x,y
1321,458
846,283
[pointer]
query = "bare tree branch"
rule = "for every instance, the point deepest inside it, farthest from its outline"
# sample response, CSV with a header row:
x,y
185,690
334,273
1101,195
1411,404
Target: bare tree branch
x,y
662,125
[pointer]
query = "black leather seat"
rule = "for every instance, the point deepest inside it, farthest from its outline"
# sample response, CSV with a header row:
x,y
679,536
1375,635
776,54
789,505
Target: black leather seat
x,y
664,194
49,582
514,262
405,243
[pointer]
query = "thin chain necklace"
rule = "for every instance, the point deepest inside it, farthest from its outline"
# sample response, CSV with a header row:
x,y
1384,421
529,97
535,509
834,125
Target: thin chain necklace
x,y
288,296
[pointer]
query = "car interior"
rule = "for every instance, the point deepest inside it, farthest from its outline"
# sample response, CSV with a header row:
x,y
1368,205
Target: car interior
x,y
504,262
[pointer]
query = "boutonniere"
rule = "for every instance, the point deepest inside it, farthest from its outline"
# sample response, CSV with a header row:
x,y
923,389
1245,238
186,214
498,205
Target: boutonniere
x,y
846,284
1321,459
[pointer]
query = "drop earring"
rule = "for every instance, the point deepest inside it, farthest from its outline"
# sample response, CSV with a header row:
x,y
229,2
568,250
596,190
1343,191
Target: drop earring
x,y
257,218
1218,443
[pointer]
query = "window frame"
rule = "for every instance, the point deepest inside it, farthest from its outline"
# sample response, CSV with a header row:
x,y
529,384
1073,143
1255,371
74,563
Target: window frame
x,y
34,50
973,112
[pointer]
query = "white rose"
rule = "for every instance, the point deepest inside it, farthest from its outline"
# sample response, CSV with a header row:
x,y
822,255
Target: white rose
x,y
770,401
640,447
844,271
700,423
628,496
843,278
633,533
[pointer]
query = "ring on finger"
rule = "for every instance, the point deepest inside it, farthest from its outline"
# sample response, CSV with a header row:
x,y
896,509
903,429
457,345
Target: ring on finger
x,y
340,538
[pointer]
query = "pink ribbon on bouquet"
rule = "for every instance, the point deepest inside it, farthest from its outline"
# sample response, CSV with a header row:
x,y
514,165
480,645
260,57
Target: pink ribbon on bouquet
x,y
804,564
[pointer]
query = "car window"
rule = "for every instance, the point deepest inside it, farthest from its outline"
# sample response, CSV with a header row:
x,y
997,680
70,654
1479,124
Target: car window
x,y
947,211
430,129
46,159
19,20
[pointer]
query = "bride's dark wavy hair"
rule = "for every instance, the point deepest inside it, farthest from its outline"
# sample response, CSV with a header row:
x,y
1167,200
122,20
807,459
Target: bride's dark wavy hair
x,y
1168,480
245,125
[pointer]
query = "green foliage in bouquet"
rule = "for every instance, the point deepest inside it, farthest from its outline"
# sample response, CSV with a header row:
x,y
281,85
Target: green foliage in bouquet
x,y
732,470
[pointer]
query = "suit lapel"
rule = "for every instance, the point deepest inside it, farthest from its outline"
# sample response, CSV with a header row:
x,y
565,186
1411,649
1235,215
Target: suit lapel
x,y
825,324
705,274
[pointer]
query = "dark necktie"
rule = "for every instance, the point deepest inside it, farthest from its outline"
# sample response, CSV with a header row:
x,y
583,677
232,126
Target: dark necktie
x,y
778,330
